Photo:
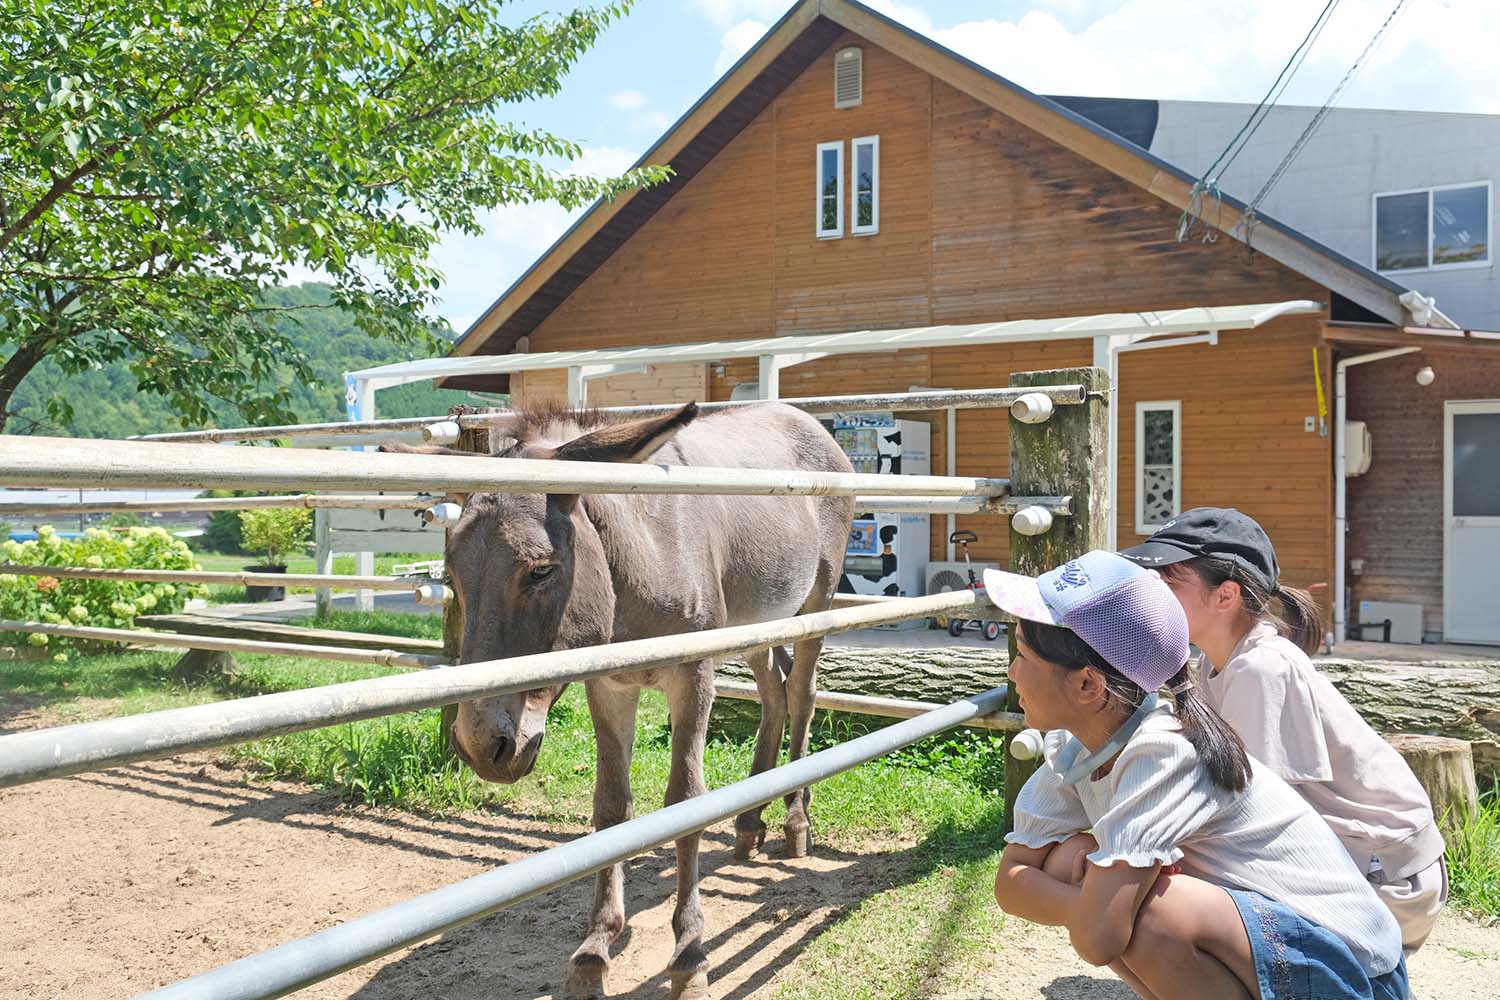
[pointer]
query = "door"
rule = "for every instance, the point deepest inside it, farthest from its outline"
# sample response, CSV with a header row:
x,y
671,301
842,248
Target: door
x,y
1471,521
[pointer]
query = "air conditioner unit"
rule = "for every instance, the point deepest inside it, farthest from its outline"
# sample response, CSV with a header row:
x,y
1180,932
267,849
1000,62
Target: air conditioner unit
x,y
947,577
1357,448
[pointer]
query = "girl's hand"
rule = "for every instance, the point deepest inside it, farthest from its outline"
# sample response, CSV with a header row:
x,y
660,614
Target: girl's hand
x,y
1080,867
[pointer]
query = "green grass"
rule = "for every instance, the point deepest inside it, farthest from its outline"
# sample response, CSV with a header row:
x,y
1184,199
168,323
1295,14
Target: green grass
x,y
923,936
410,626
1474,860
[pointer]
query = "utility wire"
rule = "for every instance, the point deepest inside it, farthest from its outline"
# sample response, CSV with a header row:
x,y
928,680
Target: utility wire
x,y
1209,183
1317,120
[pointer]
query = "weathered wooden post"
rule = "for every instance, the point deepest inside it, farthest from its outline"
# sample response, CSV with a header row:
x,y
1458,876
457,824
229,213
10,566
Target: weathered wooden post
x,y
1445,769
1066,454
323,560
475,439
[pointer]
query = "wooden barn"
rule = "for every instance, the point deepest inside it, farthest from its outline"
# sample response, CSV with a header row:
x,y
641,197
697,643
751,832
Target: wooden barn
x,y
850,175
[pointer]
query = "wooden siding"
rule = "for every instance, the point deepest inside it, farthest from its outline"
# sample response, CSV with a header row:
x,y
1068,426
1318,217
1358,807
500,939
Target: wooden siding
x,y
982,219
1244,403
1396,509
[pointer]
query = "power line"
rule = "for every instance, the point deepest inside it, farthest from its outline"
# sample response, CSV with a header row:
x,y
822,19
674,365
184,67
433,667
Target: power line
x,y
1317,120
1209,183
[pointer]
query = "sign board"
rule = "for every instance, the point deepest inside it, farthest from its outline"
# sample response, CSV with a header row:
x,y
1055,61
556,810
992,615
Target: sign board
x,y
400,531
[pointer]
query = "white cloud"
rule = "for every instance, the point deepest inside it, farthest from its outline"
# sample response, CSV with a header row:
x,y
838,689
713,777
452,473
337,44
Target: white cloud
x,y
1438,54
723,13
627,100
476,269
736,42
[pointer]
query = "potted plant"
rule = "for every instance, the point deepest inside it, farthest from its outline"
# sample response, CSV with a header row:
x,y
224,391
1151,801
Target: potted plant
x,y
273,534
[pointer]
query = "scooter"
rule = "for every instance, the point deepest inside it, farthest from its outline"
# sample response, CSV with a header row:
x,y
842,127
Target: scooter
x,y
991,630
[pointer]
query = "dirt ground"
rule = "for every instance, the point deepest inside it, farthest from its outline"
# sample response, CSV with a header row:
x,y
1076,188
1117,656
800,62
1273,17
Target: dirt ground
x,y
121,881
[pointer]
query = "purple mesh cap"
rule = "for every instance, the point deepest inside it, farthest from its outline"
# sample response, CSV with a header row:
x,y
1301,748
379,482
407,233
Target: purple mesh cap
x,y
1122,610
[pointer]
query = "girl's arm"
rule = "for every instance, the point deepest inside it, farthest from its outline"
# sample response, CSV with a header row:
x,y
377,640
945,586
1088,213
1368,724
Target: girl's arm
x,y
1024,890
1099,914
1106,910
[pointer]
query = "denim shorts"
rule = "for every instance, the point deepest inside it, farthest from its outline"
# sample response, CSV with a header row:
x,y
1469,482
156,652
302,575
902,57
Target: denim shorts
x,y
1296,959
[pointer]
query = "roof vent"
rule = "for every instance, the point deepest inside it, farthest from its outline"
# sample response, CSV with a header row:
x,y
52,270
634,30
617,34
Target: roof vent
x,y
849,77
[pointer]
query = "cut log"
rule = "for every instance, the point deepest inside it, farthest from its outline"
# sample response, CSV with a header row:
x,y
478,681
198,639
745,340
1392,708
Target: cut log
x,y
1459,699
1445,769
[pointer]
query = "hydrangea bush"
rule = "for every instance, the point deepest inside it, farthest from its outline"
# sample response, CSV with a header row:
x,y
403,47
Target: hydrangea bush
x,y
96,603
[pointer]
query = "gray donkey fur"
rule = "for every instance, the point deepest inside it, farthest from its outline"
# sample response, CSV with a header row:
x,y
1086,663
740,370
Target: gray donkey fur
x,y
545,572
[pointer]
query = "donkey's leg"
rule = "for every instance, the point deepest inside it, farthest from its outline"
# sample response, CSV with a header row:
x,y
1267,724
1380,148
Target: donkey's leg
x,y
690,695
801,689
613,712
749,829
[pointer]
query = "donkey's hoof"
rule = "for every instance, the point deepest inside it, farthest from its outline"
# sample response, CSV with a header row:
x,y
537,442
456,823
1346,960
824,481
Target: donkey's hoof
x,y
798,842
588,978
690,985
747,843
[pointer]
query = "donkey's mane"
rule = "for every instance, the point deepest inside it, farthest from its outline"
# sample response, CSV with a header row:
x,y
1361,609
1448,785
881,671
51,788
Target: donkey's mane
x,y
532,420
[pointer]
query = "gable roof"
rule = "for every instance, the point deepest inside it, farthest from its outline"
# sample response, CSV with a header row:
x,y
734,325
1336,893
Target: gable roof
x,y
786,50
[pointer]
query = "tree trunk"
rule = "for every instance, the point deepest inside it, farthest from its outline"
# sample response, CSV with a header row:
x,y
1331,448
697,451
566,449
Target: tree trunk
x,y
15,370
1459,699
1445,769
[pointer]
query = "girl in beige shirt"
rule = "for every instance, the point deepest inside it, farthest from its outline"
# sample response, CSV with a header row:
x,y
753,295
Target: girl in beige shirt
x,y
1255,636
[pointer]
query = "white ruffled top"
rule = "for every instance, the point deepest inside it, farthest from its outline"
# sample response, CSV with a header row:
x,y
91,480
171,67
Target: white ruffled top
x,y
1158,805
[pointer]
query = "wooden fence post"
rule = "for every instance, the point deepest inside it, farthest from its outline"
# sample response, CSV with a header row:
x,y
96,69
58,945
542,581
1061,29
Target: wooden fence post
x,y
476,439
1067,454
323,560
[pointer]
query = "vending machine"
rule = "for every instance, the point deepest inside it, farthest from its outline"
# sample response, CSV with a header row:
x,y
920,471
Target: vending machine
x,y
887,553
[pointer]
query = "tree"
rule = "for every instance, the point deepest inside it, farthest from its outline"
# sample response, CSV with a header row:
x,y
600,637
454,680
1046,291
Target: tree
x,y
161,164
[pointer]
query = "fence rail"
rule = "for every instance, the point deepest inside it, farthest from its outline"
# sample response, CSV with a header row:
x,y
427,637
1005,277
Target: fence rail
x,y
73,462
309,500
53,753
962,399
140,637
319,956
207,576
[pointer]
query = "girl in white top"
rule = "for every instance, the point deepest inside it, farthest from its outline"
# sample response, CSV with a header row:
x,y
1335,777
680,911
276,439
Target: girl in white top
x,y
1258,677
1262,902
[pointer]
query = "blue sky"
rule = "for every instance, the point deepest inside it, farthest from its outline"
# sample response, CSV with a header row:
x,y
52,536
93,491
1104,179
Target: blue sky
x,y
650,68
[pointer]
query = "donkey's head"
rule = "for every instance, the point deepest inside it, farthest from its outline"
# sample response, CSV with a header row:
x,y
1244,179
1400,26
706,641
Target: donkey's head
x,y
531,575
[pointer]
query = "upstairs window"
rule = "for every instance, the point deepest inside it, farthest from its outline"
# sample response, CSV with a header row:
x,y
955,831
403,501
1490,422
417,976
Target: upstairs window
x,y
830,190
849,77
864,199
1433,228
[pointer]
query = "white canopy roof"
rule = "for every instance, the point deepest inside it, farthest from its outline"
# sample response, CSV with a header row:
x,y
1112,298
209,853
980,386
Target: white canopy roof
x,y
808,347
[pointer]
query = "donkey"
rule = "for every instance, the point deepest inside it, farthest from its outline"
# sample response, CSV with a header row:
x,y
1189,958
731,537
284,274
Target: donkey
x,y
536,572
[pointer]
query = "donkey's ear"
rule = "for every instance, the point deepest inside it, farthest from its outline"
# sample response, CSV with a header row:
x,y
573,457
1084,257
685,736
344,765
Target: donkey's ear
x,y
397,447
629,442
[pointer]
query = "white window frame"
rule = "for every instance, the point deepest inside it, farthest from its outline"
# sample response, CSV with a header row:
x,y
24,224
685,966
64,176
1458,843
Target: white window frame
x,y
1174,406
1489,228
838,231
855,229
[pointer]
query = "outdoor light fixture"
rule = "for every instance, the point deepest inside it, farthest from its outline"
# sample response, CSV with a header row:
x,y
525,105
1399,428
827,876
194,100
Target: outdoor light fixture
x,y
1425,375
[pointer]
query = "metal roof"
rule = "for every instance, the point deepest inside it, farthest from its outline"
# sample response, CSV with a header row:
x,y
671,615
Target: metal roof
x,y
807,347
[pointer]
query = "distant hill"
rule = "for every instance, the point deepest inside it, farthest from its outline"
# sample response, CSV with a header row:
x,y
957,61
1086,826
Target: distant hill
x,y
106,402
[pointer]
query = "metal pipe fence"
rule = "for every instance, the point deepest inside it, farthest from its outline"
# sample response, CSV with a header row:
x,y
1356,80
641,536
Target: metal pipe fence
x,y
73,462
210,577
53,753
308,500
319,956
962,399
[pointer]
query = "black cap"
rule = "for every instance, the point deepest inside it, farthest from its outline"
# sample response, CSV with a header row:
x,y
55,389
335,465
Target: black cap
x,y
1219,532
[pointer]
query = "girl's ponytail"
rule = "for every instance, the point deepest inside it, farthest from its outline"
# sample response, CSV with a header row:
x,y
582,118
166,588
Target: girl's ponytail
x,y
1219,748
1301,618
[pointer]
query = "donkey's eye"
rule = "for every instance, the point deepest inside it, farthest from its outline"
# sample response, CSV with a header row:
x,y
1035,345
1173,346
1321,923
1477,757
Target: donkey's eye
x,y
542,572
